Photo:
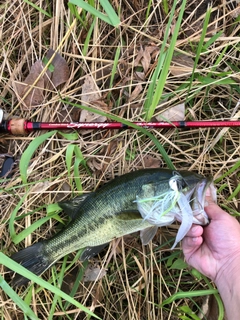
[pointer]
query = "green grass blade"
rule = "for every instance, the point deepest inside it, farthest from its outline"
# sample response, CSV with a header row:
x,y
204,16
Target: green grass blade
x,y
80,157
77,281
165,61
12,265
57,283
115,21
200,46
230,171
132,125
88,38
112,20
13,216
38,8
69,136
189,294
217,297
34,226
114,69
74,13
69,157
79,160
77,178
54,208
148,109
29,294
28,153
234,194
165,6
92,10
211,81
211,41
15,297
188,311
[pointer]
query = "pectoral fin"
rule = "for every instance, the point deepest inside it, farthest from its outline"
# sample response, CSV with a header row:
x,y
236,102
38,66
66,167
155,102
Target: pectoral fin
x,y
146,235
129,215
90,252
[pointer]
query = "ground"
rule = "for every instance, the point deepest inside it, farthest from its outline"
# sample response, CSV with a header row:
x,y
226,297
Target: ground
x,y
148,62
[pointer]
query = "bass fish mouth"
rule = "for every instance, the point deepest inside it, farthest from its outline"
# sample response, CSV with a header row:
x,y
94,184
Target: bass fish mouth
x,y
183,199
200,202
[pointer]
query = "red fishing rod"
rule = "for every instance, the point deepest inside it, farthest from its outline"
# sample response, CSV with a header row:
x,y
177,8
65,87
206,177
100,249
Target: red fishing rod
x,y
22,126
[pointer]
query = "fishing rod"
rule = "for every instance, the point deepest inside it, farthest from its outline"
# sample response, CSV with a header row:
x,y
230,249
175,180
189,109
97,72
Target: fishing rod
x,y
23,126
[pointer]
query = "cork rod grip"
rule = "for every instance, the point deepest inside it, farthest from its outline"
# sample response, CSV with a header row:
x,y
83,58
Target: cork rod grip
x,y
17,126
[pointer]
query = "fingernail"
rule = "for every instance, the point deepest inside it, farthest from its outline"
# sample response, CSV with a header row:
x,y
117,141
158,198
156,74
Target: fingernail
x,y
208,192
194,229
195,239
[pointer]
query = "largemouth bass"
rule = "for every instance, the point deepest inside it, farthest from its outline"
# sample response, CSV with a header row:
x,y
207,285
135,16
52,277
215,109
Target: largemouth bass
x,y
118,208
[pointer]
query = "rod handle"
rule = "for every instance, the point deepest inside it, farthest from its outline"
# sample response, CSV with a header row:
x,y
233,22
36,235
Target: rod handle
x,y
14,126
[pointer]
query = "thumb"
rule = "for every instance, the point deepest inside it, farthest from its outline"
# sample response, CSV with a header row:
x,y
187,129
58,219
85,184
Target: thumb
x,y
211,208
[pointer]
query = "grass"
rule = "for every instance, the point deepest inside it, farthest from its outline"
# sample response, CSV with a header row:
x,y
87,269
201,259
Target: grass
x,y
131,63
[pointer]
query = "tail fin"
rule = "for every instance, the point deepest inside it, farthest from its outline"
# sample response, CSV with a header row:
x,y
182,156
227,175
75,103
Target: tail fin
x,y
33,259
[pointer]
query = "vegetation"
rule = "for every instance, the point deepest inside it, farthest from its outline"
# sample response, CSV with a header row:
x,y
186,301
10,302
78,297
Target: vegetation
x,y
128,61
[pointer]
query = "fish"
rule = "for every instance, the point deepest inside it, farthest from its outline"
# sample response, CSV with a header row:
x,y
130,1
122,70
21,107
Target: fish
x,y
117,209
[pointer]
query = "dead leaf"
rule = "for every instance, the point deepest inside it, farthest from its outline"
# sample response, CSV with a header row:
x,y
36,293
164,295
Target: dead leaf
x,y
181,65
151,162
90,93
144,57
135,93
176,113
61,193
93,273
95,164
140,75
61,71
40,187
56,75
36,96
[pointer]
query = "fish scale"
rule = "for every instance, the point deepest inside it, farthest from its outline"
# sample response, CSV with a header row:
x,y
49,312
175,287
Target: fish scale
x,y
105,214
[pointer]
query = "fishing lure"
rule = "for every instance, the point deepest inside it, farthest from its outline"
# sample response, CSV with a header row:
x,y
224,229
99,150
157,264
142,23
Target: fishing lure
x,y
162,208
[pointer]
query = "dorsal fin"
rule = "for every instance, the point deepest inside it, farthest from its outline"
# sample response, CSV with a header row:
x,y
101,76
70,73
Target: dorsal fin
x,y
70,207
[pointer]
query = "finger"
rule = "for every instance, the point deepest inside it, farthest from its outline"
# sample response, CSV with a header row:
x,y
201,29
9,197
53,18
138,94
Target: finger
x,y
193,240
191,244
210,196
195,231
211,208
214,212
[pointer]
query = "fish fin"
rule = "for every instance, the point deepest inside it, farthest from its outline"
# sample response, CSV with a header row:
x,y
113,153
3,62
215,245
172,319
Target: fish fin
x,y
146,235
33,259
70,206
129,215
90,252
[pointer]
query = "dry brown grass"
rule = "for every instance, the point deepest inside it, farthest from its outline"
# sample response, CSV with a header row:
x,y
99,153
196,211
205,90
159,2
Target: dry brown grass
x,y
138,278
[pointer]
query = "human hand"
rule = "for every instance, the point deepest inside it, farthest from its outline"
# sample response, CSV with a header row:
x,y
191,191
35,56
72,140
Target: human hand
x,y
214,250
